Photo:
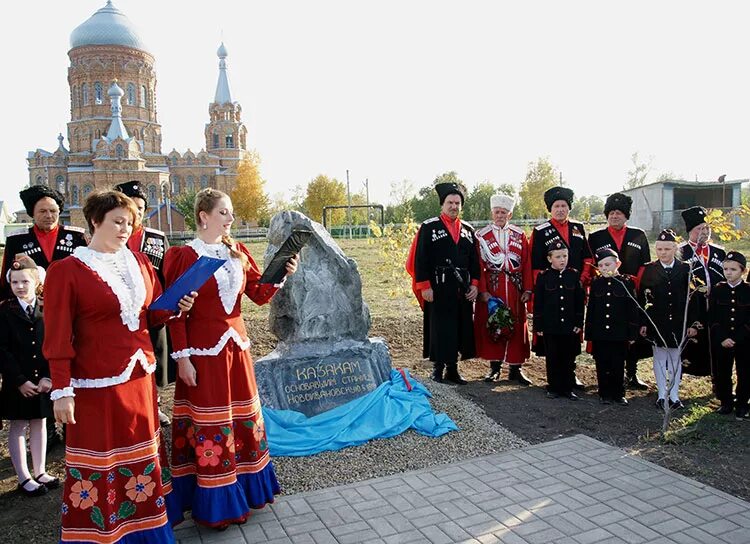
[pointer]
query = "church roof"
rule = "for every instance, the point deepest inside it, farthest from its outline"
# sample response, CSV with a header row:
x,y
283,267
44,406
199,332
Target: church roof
x,y
108,26
223,94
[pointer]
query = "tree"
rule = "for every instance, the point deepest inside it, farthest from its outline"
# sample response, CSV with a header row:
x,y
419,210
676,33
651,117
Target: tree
x,y
586,207
185,204
667,176
426,204
637,176
540,176
477,207
402,193
506,189
324,191
249,198
449,177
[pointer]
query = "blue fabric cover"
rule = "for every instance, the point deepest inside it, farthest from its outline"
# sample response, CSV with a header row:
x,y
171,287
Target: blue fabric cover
x,y
387,411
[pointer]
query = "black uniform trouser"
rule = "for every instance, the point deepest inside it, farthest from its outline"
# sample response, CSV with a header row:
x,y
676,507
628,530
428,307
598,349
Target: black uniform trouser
x,y
610,367
724,360
560,358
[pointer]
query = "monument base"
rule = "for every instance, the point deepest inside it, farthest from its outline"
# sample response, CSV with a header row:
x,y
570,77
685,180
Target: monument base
x,y
313,377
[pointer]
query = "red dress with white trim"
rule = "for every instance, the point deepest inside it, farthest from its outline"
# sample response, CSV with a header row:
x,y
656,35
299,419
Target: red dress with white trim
x,y
220,460
505,263
96,340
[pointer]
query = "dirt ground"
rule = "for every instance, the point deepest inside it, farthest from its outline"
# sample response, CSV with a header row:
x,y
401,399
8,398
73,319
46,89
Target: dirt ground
x,y
710,448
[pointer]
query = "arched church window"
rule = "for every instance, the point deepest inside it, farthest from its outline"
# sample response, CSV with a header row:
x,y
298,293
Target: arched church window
x,y
131,94
85,94
189,160
152,195
74,96
216,140
174,160
144,97
60,182
87,191
175,185
203,159
229,141
74,196
190,185
204,182
119,152
98,93
39,180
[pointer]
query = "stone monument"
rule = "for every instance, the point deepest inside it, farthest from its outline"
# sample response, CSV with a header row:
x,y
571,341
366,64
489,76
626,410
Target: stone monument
x,y
324,357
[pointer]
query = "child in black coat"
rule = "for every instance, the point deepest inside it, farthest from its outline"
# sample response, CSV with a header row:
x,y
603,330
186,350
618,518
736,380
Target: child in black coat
x,y
612,324
558,320
729,327
24,399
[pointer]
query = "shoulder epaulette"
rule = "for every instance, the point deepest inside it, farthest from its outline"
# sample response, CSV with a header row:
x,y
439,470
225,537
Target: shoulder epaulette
x,y
572,269
543,225
467,225
636,229
717,246
484,230
154,231
515,228
682,244
16,233
430,220
74,229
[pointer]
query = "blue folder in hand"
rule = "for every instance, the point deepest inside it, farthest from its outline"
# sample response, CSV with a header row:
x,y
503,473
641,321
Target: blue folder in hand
x,y
190,280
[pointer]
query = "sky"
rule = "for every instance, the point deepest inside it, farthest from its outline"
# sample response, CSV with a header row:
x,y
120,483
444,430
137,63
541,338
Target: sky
x,y
405,90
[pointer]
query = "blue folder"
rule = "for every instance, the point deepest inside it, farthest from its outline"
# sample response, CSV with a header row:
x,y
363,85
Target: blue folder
x,y
190,280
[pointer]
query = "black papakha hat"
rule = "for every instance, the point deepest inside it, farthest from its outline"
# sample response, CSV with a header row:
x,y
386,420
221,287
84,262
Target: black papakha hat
x,y
618,201
737,257
133,189
693,217
558,193
667,235
605,252
31,195
446,189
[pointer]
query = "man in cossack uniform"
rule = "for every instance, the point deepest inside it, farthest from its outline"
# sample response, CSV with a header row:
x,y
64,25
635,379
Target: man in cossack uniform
x,y
634,253
559,201
706,260
505,262
152,243
46,240
444,267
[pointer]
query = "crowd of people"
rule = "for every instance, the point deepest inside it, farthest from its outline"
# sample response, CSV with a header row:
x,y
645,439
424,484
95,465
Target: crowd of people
x,y
688,310
80,346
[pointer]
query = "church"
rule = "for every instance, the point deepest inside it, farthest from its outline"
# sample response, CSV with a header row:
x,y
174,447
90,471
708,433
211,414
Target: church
x,y
114,134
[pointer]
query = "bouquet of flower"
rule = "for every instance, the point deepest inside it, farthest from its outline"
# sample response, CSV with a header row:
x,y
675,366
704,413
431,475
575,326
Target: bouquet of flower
x,y
500,321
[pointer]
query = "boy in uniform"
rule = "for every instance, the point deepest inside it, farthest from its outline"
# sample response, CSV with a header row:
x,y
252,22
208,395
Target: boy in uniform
x,y
611,324
729,329
558,320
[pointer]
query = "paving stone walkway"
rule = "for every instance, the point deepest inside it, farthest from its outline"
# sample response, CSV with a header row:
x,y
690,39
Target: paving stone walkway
x,y
575,490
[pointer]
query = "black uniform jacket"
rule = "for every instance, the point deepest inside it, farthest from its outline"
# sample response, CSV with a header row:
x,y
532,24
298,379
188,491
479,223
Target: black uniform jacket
x,y
448,324
634,253
729,312
612,311
716,256
68,238
21,360
664,297
546,234
154,245
558,302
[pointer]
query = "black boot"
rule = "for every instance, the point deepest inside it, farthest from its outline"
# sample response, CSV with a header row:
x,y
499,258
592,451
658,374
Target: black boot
x,y
516,374
437,372
494,374
633,382
452,375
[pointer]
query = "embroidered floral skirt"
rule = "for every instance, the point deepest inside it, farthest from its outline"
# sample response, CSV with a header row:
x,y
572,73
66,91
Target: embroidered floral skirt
x,y
220,460
116,490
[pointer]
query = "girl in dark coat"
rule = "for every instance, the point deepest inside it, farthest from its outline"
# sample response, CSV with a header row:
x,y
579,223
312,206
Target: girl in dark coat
x,y
24,399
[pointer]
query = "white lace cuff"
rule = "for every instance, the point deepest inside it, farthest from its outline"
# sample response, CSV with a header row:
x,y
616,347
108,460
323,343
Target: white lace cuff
x,y
243,343
61,393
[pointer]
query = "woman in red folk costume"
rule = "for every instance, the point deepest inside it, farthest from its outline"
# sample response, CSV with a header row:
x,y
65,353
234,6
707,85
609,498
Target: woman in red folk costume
x,y
506,274
117,482
220,460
